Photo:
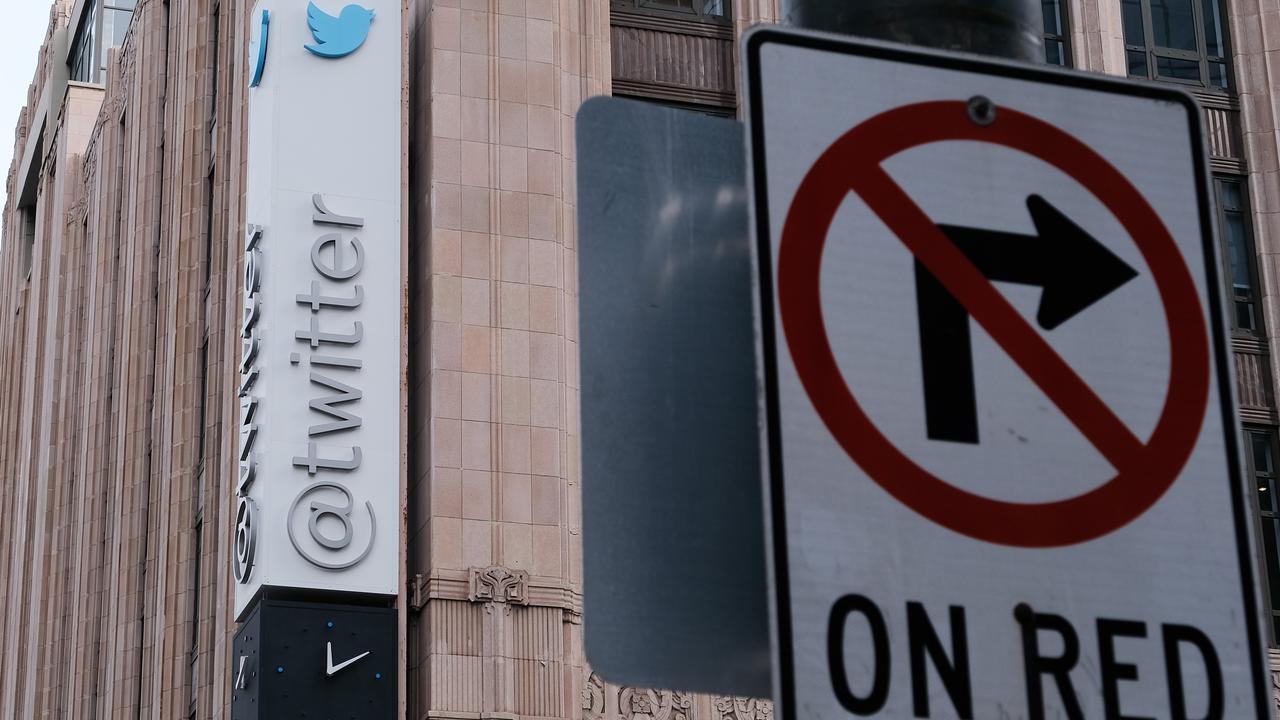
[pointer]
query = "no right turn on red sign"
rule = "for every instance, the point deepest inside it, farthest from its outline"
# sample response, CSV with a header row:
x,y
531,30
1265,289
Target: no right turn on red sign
x,y
1004,469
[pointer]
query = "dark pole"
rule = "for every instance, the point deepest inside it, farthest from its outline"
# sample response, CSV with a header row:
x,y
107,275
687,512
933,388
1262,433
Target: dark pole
x,y
1003,28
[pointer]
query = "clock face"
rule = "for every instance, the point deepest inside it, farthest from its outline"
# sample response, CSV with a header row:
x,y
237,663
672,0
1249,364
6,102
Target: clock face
x,y
308,660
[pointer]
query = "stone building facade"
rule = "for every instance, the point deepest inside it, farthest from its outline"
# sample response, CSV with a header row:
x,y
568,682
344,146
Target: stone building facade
x,y
120,283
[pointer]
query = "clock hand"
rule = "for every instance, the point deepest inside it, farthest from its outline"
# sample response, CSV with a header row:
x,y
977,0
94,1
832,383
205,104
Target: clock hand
x,y
330,668
240,678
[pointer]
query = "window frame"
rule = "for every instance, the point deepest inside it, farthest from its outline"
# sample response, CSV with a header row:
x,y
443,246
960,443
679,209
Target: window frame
x,y
1263,516
88,53
193,658
1064,35
27,226
1152,52
1251,252
81,58
648,7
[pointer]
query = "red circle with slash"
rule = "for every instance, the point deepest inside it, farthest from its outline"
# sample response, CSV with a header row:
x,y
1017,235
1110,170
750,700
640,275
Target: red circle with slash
x,y
1144,470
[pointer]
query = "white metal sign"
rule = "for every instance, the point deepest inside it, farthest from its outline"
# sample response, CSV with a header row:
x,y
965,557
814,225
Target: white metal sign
x,y
1004,476
318,493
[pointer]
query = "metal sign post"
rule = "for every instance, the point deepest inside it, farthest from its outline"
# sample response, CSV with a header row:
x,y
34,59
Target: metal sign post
x,y
999,398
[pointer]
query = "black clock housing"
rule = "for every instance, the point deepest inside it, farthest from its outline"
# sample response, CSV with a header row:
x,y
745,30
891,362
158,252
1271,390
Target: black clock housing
x,y
285,669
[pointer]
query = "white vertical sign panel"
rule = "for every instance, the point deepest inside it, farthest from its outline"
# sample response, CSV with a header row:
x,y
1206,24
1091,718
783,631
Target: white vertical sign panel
x,y
1005,474
320,384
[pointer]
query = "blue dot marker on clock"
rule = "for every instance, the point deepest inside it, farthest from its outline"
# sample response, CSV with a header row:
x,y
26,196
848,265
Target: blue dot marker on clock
x,y
329,624
377,676
279,668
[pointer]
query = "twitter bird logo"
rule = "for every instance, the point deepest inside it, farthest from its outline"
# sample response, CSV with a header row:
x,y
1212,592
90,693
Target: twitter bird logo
x,y
338,36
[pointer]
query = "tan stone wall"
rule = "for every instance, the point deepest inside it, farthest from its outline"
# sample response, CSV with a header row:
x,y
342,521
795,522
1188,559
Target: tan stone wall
x,y
494,513
1255,28
103,381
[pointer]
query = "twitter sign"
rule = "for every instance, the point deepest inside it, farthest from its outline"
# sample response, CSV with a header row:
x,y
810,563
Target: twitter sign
x,y
340,35
318,496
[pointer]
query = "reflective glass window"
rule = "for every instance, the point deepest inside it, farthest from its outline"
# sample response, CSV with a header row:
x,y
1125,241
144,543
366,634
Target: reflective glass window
x,y
1181,41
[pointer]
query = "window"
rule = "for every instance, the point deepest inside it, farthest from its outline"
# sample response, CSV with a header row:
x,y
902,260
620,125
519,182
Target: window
x,y
693,9
1057,45
215,69
28,214
1181,41
1237,243
83,68
1261,448
204,451
195,619
103,26
648,64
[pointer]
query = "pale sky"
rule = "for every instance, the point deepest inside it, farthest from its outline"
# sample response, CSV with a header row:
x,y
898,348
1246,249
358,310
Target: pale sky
x,y
21,33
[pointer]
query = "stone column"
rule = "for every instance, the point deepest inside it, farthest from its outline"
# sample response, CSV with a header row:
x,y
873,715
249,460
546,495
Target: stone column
x,y
1255,38
494,520
1097,36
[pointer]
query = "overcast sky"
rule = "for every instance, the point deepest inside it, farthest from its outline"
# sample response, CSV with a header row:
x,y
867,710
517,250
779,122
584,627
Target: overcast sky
x,y
21,33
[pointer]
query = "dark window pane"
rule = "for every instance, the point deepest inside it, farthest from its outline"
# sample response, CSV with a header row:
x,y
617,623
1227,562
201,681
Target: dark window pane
x,y
713,8
1052,16
1266,494
1173,25
1239,252
1261,452
1229,195
1245,317
1273,565
1238,243
680,5
1137,63
83,62
1134,33
1262,469
1217,74
1214,46
1053,53
1177,69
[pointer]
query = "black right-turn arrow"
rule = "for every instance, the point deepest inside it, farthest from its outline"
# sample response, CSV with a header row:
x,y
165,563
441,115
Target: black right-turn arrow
x,y
1074,269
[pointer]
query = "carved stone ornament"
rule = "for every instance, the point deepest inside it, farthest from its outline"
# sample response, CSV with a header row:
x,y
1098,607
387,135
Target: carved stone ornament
x,y
736,708
499,585
593,698
1275,682
639,704
77,212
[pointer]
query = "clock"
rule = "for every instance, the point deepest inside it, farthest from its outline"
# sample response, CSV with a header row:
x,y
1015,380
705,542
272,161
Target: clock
x,y
315,661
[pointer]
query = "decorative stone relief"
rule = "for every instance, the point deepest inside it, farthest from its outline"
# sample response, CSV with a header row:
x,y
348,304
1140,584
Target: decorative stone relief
x,y
1274,658
499,585
593,698
602,701
639,704
735,708
89,173
75,214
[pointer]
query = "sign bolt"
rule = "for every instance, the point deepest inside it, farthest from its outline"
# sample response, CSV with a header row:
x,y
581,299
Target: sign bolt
x,y
981,110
